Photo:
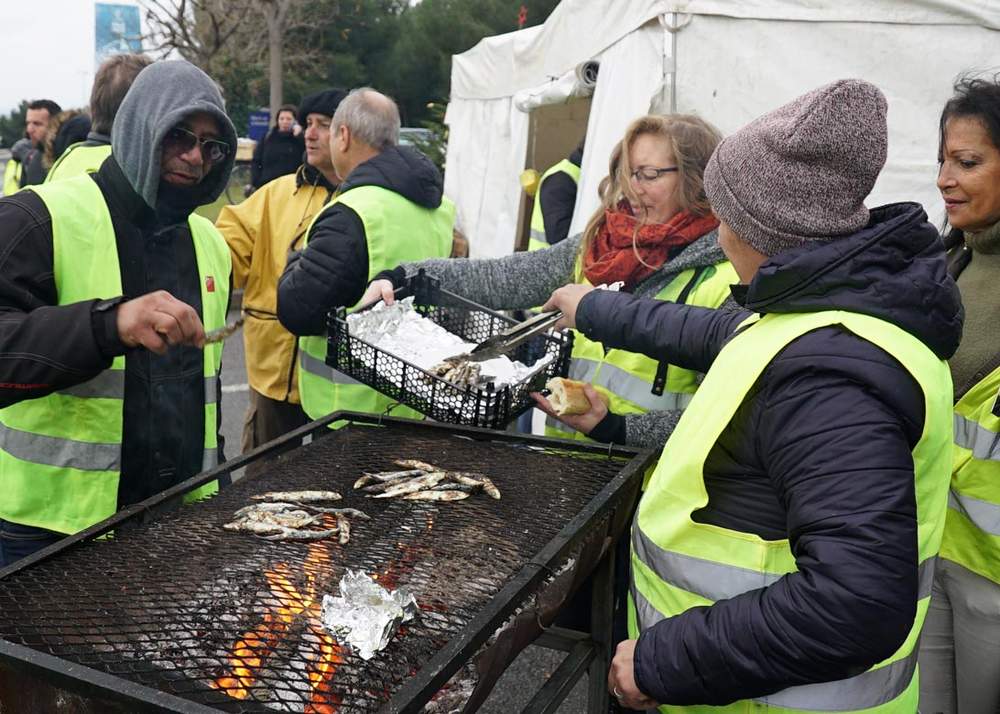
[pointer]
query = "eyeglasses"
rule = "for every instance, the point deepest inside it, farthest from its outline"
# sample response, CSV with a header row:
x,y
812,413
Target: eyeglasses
x,y
649,173
211,149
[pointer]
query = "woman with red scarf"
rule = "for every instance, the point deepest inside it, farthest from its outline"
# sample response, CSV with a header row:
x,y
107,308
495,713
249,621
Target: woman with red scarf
x,y
655,236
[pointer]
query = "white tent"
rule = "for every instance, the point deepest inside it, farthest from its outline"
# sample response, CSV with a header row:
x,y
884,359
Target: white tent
x,y
726,60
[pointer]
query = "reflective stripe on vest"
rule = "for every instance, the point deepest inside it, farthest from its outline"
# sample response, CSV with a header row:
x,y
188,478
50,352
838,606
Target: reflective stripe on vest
x,y
60,455
972,531
626,378
678,564
536,237
78,159
983,443
870,689
721,581
984,514
320,368
397,231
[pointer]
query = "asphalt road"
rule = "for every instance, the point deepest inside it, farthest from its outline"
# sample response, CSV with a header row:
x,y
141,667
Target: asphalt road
x,y
528,672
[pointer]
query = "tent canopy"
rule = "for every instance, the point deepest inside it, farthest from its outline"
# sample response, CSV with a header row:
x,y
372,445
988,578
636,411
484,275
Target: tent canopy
x,y
725,60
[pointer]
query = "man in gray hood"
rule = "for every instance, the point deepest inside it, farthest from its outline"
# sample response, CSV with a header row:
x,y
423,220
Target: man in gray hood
x,y
108,283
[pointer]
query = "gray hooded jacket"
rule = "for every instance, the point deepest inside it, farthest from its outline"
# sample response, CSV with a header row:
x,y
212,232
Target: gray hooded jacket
x,y
20,150
162,95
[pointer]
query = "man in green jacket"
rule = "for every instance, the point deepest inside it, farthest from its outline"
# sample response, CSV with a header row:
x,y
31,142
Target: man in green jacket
x,y
390,209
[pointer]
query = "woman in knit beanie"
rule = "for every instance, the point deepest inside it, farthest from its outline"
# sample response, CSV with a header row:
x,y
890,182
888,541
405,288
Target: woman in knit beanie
x,y
960,648
783,549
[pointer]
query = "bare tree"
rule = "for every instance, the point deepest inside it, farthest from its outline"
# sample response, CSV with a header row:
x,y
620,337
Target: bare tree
x,y
276,14
210,33
201,31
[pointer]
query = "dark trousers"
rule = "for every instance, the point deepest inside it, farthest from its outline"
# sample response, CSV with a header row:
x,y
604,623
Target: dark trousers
x,y
17,541
267,419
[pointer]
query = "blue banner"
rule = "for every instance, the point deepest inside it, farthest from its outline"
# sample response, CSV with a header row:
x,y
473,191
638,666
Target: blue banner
x,y
258,125
116,31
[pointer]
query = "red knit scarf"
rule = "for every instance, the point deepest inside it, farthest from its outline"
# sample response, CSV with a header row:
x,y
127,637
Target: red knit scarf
x,y
610,257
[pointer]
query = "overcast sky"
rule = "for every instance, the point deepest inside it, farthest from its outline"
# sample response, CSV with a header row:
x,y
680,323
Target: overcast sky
x,y
47,51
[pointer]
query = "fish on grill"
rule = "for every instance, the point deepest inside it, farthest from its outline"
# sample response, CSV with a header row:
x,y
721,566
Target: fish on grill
x,y
344,526
417,484
273,531
298,496
352,512
414,464
286,521
386,477
450,495
267,507
452,486
476,481
289,519
420,477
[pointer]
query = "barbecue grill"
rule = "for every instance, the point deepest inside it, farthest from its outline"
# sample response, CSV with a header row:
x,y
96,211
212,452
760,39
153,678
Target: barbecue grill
x,y
160,609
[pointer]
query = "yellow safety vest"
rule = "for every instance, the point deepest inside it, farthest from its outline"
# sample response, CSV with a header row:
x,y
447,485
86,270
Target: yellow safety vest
x,y
60,455
397,230
12,177
627,378
678,564
78,159
972,529
536,239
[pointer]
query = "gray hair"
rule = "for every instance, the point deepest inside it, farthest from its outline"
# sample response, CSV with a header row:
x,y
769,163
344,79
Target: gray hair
x,y
371,116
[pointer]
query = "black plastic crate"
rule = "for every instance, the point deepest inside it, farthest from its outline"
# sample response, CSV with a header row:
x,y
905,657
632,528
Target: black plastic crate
x,y
484,405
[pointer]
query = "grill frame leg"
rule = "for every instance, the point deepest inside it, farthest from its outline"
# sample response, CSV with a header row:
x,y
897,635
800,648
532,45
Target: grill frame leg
x,y
601,624
554,692
587,652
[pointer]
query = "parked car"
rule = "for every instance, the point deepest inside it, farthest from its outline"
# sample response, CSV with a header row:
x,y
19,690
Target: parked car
x,y
415,136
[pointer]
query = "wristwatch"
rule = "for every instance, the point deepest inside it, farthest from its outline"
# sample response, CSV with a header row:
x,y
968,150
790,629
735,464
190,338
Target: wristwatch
x,y
104,323
109,304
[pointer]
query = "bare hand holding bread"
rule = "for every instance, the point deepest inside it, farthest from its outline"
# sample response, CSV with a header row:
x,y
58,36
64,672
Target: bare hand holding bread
x,y
569,397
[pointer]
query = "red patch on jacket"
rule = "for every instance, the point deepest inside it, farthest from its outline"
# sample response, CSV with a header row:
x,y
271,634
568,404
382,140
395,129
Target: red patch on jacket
x,y
209,283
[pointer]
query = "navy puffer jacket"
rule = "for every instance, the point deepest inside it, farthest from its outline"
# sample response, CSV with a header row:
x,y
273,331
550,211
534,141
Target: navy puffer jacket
x,y
819,452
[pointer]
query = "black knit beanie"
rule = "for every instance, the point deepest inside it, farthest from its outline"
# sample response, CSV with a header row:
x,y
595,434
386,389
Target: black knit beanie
x,y
324,102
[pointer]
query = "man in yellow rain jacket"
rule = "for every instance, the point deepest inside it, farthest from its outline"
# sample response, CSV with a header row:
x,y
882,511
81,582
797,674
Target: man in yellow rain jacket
x,y
261,232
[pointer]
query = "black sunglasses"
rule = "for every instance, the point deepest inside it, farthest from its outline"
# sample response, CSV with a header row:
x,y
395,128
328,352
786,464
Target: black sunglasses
x,y
211,149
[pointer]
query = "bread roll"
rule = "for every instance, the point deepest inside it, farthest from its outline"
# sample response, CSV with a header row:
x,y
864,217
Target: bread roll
x,y
567,396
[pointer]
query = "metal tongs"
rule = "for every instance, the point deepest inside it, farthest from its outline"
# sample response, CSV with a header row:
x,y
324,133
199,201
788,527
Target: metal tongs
x,y
513,336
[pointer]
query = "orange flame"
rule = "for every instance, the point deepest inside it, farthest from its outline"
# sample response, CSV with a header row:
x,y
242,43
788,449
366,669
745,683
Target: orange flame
x,y
250,652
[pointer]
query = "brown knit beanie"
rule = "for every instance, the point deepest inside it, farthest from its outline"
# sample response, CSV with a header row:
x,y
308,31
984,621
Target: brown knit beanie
x,y
801,173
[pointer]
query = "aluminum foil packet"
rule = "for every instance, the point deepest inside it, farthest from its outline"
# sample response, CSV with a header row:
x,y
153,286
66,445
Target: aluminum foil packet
x,y
366,615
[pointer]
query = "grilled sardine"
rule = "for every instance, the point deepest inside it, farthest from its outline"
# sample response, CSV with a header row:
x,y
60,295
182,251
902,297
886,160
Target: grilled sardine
x,y
417,484
435,495
298,496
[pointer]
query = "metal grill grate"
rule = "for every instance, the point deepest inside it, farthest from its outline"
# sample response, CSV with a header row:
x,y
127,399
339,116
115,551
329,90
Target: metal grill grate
x,y
231,621
443,401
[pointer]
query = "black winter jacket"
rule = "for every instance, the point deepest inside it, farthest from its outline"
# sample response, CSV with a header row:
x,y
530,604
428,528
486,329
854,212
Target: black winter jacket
x,y
332,270
45,347
278,154
34,171
558,196
819,453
